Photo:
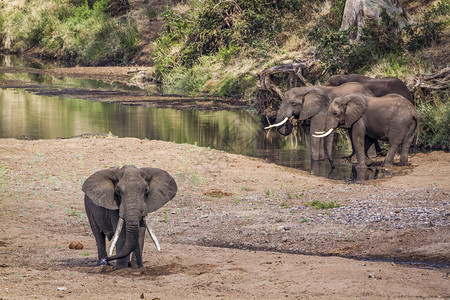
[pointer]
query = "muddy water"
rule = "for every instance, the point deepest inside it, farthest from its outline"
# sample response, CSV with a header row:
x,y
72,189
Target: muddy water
x,y
26,115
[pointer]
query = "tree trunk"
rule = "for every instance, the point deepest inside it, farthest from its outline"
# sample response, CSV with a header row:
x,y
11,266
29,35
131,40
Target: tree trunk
x,y
356,12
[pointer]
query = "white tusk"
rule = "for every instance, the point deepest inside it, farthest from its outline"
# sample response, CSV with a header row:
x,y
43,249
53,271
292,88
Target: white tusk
x,y
320,134
278,124
152,234
116,236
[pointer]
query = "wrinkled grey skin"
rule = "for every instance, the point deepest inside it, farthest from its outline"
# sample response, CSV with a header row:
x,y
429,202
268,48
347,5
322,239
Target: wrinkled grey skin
x,y
312,103
379,86
390,118
129,193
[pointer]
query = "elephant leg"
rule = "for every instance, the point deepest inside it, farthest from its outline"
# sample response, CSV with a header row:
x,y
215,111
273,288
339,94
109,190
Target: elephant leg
x,y
405,148
368,148
349,157
358,136
136,257
317,147
96,231
101,249
123,262
389,159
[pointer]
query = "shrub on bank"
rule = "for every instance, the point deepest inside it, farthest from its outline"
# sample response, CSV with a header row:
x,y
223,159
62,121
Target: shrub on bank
x,y
72,30
435,123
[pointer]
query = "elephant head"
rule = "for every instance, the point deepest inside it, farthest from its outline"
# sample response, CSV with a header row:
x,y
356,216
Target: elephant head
x,y
134,192
302,103
342,112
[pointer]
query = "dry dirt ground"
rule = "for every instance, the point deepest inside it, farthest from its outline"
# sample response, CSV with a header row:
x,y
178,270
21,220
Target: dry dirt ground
x,y
238,228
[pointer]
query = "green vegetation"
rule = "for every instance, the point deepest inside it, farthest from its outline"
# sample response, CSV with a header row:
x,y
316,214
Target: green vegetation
x,y
66,29
434,123
205,44
217,47
317,204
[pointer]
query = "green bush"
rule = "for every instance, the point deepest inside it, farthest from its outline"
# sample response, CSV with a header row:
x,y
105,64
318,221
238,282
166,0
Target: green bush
x,y
339,52
224,27
429,30
434,125
81,31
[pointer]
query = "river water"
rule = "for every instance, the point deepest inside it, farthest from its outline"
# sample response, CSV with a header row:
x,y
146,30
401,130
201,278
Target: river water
x,y
27,115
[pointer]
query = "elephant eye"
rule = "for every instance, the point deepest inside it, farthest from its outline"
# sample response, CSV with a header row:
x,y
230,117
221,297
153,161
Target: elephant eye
x,y
147,190
117,190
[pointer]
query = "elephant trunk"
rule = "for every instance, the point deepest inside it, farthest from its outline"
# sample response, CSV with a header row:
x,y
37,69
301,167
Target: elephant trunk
x,y
132,220
131,241
329,148
331,124
286,127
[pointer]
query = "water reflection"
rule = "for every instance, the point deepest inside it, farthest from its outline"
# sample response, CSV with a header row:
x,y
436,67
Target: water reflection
x,y
64,82
40,117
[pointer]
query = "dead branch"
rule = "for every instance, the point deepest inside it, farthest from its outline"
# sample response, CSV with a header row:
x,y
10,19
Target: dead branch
x,y
266,103
435,81
295,71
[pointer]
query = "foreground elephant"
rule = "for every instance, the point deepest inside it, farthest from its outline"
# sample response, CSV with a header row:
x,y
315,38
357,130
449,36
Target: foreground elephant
x,y
115,197
390,118
378,86
312,103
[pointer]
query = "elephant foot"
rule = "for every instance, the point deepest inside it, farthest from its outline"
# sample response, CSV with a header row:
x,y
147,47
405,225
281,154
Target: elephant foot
x,y
122,266
136,265
403,162
388,164
103,262
317,159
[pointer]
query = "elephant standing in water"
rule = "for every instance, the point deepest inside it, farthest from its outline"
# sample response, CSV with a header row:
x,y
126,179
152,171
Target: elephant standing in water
x,y
312,103
379,86
115,197
390,118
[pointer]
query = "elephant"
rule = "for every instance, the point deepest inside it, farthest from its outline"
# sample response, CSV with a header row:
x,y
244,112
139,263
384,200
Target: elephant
x,y
378,86
390,118
312,103
124,196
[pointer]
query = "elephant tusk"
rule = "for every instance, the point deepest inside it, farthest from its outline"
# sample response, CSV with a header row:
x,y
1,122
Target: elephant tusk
x,y
152,234
116,236
278,124
320,134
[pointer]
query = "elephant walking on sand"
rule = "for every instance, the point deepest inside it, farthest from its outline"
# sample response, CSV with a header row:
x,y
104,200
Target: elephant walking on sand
x,y
117,202
379,86
312,103
389,118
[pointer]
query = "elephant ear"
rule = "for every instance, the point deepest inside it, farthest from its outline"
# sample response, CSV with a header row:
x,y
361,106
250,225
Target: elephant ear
x,y
162,188
355,108
314,102
99,187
